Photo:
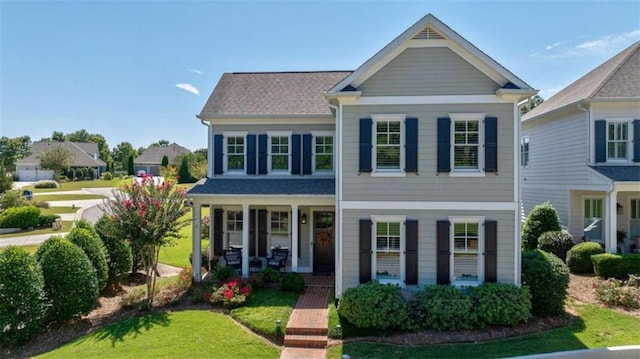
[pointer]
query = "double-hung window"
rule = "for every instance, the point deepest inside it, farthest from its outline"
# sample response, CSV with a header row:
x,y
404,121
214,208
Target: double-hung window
x,y
280,222
388,244
323,153
280,152
235,144
466,241
524,152
617,140
234,221
388,137
467,139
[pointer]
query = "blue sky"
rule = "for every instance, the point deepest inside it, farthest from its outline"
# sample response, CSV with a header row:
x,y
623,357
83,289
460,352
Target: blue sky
x,y
140,71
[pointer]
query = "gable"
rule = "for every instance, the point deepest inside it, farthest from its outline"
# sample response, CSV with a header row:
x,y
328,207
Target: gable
x,y
423,71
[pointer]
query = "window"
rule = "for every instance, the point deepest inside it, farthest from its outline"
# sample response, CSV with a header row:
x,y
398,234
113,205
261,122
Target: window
x,y
388,145
593,220
617,140
234,221
235,153
323,154
388,237
388,241
466,238
280,222
279,152
466,145
524,152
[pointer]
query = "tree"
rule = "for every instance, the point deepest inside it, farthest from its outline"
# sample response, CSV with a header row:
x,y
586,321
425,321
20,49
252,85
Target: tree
x,y
57,136
184,175
202,152
121,155
84,136
165,161
13,149
149,216
161,143
197,164
57,159
534,102
130,165
6,181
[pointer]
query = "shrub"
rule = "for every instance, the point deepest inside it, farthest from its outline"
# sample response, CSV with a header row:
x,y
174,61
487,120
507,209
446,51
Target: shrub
x,y
447,308
548,279
231,294
270,275
70,281
608,265
224,273
71,174
46,184
501,304
21,296
20,217
579,257
45,220
40,204
106,176
616,293
6,180
91,244
292,282
49,242
373,305
542,218
118,250
91,173
12,198
255,281
556,242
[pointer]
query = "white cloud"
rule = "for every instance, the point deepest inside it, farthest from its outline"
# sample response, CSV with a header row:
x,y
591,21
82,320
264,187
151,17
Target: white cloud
x,y
195,71
606,44
556,44
188,88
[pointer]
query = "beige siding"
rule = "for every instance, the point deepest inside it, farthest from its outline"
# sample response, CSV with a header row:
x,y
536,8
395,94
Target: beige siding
x,y
426,242
559,198
428,185
600,111
428,71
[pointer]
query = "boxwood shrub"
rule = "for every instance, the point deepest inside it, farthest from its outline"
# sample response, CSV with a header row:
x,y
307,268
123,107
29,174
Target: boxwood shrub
x,y
542,218
45,220
556,242
21,296
46,184
292,282
501,304
548,279
609,265
579,257
91,244
447,308
373,305
118,250
20,217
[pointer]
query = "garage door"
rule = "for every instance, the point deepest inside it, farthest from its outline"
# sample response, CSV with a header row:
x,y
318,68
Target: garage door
x,y
34,175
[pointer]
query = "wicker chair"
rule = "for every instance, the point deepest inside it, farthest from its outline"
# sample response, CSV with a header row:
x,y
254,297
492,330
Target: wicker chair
x,y
278,259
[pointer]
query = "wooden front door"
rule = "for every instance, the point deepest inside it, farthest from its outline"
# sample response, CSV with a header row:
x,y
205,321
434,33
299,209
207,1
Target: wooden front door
x,y
323,242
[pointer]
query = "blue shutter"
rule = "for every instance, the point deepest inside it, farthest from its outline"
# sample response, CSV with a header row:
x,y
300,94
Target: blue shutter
x,y
636,140
490,144
444,144
365,144
411,147
307,153
263,154
295,154
251,154
218,144
601,141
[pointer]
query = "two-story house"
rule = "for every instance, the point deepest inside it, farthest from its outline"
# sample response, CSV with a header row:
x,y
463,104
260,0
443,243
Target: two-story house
x,y
403,171
580,150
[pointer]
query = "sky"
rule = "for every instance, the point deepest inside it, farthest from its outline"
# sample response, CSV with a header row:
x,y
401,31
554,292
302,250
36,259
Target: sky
x,y
139,71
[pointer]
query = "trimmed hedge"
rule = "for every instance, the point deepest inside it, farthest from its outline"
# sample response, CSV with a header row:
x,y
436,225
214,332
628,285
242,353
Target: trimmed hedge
x,y
447,308
609,265
542,218
46,184
556,242
548,279
374,305
501,304
45,220
91,244
20,217
579,257
118,250
292,282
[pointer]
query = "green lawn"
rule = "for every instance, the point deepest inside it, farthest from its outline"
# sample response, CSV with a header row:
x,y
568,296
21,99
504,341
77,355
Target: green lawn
x,y
58,210
186,334
76,185
263,309
66,227
178,254
66,197
596,328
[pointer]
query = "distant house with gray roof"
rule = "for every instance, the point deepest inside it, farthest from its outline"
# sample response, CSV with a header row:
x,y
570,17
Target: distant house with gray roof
x,y
580,150
151,159
85,156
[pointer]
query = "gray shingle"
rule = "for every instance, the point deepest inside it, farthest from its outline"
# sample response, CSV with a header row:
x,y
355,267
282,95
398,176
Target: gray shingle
x,y
154,154
85,153
265,186
620,173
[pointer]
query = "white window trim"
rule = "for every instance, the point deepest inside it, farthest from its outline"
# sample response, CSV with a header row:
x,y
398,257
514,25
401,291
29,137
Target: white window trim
x,y
270,135
522,162
468,117
225,164
388,172
630,134
315,134
467,219
382,218
604,217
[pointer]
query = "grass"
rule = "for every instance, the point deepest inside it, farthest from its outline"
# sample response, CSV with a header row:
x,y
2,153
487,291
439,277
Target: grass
x,y
596,327
66,227
178,254
264,307
66,197
185,334
76,185
58,210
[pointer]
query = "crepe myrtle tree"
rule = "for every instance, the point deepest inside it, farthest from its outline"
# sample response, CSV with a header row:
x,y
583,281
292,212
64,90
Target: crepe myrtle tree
x,y
149,217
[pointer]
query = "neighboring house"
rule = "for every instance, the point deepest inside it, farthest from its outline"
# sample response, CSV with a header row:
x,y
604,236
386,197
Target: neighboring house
x,y
85,156
581,152
150,160
403,171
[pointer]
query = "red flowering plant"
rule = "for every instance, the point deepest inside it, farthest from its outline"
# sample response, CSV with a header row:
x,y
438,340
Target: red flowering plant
x,y
232,294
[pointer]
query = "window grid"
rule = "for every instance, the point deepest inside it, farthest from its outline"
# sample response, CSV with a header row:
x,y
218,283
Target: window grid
x,y
235,153
388,143
388,237
280,153
635,209
466,135
524,151
465,237
617,139
324,153
279,222
234,221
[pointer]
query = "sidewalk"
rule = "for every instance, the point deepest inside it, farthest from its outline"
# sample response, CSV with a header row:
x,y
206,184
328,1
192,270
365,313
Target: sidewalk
x,y
32,240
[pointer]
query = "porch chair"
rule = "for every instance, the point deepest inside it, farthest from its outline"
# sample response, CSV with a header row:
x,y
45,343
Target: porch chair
x,y
233,258
278,259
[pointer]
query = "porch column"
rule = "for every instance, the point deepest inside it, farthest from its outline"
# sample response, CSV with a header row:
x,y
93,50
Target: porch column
x,y
245,240
211,251
611,236
294,237
196,247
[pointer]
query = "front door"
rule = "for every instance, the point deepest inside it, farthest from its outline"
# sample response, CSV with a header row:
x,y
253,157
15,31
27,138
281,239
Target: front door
x,y
323,243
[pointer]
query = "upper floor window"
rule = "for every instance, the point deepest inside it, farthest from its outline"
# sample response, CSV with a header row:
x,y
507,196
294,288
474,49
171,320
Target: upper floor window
x,y
524,152
466,144
617,140
235,146
280,151
388,139
323,155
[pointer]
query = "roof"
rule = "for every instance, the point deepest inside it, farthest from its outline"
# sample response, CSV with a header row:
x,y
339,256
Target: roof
x,y
85,153
265,186
154,154
619,173
617,78
271,93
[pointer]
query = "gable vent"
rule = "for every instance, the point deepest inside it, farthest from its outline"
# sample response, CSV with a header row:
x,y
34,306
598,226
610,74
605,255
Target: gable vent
x,y
428,34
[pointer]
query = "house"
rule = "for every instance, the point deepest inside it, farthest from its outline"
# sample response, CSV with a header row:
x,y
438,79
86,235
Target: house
x,y
581,151
150,160
403,171
85,156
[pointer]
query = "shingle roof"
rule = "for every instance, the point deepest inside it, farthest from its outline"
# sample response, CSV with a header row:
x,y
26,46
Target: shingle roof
x,y
620,173
154,154
85,153
617,78
272,93
265,186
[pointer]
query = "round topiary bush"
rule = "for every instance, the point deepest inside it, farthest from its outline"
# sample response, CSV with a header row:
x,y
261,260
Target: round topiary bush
x,y
373,305
118,250
447,308
91,244
542,218
548,279
556,242
579,257
70,281
21,296
292,282
501,304
45,246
